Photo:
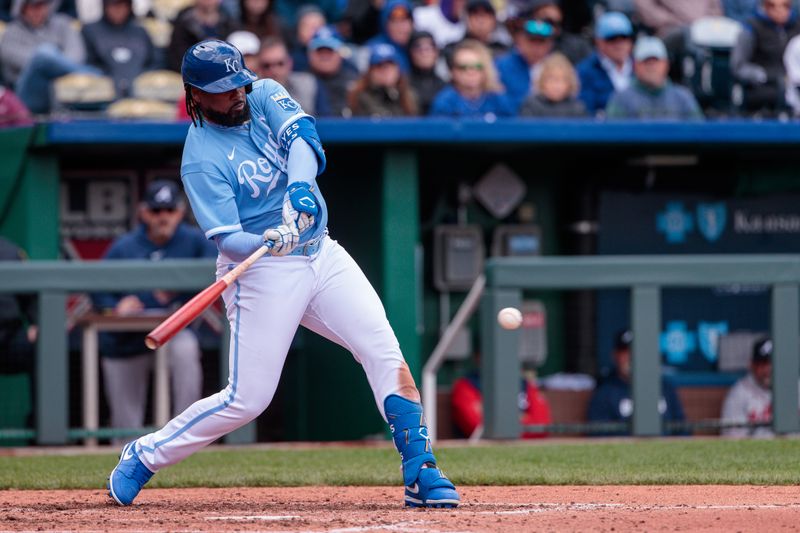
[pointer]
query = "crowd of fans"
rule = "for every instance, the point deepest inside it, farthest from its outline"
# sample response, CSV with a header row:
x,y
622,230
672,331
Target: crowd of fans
x,y
640,59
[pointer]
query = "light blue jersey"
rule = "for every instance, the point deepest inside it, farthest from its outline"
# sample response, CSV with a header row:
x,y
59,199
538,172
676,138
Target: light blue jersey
x,y
235,177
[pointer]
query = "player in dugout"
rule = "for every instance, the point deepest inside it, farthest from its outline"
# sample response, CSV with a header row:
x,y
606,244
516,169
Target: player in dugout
x,y
250,164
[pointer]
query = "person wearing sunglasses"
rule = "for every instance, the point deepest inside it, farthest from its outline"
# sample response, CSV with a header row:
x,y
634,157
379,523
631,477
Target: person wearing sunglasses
x,y
125,361
757,57
275,62
575,47
610,67
474,90
533,41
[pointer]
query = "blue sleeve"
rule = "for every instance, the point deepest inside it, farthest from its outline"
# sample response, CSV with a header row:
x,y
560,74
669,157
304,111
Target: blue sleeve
x,y
304,130
238,245
213,202
302,163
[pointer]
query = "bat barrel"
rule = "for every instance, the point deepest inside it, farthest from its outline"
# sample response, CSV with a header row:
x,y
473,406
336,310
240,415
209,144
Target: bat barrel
x,y
183,316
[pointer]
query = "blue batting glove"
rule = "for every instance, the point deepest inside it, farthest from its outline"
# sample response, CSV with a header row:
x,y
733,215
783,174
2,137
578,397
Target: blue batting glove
x,y
302,198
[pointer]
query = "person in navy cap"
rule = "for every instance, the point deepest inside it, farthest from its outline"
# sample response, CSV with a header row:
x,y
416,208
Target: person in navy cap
x,y
384,90
533,41
335,75
610,67
125,361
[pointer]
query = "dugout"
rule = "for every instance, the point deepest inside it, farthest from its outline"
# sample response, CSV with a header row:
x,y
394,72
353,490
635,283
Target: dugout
x,y
590,188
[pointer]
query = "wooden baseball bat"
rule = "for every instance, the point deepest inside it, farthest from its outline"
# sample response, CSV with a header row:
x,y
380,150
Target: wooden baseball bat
x,y
199,303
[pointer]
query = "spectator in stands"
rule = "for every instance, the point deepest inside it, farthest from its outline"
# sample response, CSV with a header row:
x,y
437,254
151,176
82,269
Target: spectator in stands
x,y
397,27
443,20
532,42
37,47
13,113
258,17
290,11
665,17
611,400
200,21
610,67
119,46
575,47
362,19
791,62
126,365
750,398
474,91
249,45
18,330
556,91
274,62
482,26
757,58
652,95
310,19
383,91
739,10
335,76
424,79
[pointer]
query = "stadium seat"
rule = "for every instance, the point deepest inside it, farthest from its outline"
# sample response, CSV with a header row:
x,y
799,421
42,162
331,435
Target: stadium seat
x,y
706,66
163,85
168,9
141,108
159,30
83,91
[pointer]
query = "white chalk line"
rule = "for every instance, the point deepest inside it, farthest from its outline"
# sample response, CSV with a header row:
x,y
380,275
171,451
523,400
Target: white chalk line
x,y
531,508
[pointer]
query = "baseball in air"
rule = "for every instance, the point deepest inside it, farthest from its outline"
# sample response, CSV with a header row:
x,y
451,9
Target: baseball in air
x,y
509,318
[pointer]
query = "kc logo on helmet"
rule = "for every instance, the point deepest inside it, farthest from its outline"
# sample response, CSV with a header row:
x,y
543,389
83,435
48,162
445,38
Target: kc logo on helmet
x,y
232,65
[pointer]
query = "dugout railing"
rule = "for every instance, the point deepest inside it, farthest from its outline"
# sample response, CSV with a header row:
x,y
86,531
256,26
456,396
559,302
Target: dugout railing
x,y
506,279
645,276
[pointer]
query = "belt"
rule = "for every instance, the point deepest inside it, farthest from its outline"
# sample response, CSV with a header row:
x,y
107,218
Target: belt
x,y
311,247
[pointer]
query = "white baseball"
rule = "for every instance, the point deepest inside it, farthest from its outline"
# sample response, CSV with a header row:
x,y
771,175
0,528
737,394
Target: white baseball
x,y
509,318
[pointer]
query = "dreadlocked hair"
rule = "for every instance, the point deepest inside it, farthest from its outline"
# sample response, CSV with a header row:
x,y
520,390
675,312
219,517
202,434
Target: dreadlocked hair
x,y
192,109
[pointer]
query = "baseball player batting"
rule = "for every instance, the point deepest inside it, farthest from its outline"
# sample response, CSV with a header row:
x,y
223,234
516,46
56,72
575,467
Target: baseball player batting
x,y
250,164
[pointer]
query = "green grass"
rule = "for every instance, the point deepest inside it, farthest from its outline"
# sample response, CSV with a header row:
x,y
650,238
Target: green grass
x,y
759,462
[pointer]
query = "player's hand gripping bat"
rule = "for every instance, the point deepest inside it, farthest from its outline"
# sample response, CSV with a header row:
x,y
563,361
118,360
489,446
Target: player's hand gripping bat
x,y
200,302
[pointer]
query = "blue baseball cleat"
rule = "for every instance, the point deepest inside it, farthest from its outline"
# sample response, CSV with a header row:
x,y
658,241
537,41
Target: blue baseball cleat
x,y
128,477
432,489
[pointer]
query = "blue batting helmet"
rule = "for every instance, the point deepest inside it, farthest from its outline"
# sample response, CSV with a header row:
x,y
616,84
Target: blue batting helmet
x,y
215,67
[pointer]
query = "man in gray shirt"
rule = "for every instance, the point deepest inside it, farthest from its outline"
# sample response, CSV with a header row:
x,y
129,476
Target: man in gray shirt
x,y
37,47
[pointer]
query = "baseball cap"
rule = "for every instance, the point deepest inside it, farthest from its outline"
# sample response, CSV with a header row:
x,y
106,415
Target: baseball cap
x,y
247,42
383,53
762,351
162,194
325,37
623,339
613,24
478,5
538,28
649,48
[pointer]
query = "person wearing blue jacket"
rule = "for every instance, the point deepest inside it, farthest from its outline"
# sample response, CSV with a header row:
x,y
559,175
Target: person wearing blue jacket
x,y
397,25
126,363
611,400
610,67
474,91
533,41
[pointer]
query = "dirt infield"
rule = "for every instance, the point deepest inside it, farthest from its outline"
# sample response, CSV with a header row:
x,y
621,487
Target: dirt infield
x,y
361,509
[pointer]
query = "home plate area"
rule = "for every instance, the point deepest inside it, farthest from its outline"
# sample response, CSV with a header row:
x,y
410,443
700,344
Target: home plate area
x,y
357,509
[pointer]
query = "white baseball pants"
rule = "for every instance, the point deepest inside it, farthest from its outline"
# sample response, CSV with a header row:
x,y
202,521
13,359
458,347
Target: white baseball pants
x,y
328,294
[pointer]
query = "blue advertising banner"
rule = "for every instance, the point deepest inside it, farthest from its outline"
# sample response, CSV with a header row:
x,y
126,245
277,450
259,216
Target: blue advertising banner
x,y
693,319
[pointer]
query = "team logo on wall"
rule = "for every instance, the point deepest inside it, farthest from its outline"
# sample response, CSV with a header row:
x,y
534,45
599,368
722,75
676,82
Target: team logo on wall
x,y
711,220
708,334
675,222
285,101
